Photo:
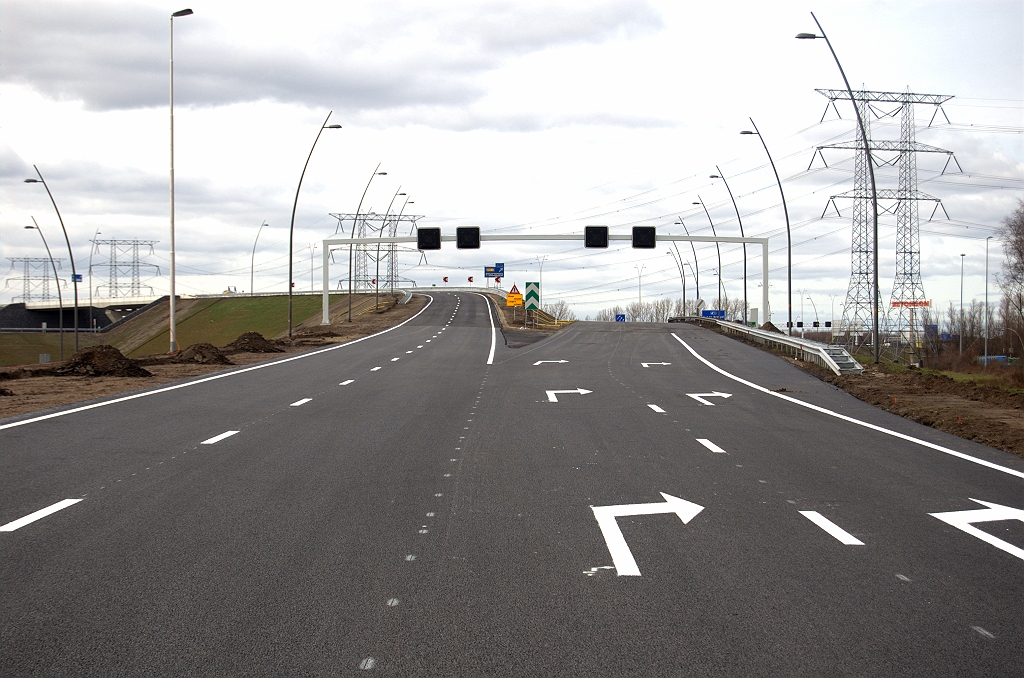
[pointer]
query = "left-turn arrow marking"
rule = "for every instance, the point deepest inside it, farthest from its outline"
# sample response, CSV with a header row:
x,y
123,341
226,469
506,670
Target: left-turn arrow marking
x,y
622,558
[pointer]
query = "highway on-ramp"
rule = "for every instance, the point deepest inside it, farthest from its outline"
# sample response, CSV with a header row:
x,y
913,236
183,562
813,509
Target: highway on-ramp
x,y
618,499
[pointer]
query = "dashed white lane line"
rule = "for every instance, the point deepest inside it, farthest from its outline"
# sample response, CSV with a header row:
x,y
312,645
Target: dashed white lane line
x,y
656,408
368,663
408,351
374,369
300,402
346,382
217,439
711,446
394,359
420,346
833,529
41,513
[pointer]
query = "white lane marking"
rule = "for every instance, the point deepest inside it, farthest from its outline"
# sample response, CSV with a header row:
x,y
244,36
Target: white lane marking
x,y
41,513
408,351
490,356
873,427
216,376
592,571
987,634
420,346
656,408
549,361
833,529
649,364
711,446
963,520
903,577
300,402
374,369
393,602
713,394
553,397
368,663
428,341
622,558
410,557
217,439
346,382
394,359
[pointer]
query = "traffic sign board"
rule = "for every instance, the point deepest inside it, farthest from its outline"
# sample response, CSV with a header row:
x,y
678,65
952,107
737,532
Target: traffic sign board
x,y
513,299
496,271
532,296
620,317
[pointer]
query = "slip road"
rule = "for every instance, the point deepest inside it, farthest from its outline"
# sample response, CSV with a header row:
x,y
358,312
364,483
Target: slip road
x,y
427,501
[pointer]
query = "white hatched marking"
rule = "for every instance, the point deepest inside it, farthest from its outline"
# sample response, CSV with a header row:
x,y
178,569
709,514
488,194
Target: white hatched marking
x,y
656,408
711,446
833,529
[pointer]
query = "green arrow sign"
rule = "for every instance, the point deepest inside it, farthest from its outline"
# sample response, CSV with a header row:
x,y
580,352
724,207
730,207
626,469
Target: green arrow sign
x,y
532,296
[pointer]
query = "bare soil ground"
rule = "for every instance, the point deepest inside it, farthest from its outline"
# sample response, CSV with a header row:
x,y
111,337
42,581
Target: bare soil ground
x,y
28,388
988,414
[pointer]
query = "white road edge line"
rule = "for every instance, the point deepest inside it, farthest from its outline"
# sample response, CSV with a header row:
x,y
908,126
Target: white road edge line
x,y
873,427
830,527
215,377
346,382
217,439
41,513
656,408
300,402
711,446
487,302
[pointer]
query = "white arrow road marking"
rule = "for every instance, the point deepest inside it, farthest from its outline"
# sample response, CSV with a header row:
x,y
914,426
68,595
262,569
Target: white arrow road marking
x,y
553,399
300,402
699,397
833,529
617,547
649,364
217,439
41,513
962,521
711,446
656,408
549,361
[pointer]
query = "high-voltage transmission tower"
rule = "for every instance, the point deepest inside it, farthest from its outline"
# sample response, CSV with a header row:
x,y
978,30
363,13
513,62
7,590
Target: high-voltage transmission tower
x,y
903,323
369,259
119,267
35,277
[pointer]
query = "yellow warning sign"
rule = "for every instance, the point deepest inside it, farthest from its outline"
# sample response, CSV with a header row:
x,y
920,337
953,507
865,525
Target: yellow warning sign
x,y
514,299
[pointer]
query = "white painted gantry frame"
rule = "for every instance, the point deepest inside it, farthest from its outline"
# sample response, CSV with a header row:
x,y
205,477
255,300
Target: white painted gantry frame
x,y
334,242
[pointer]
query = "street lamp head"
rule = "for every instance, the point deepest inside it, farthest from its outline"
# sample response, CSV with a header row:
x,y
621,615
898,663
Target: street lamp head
x,y
31,228
714,176
181,12
401,194
806,36
747,131
696,203
31,181
332,127
382,174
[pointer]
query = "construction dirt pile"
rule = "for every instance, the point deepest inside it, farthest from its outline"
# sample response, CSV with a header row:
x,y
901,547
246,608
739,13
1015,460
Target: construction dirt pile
x,y
252,342
204,354
101,361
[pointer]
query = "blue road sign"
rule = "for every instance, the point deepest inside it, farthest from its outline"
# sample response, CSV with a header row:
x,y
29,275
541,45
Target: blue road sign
x,y
713,313
77,277
620,317
496,271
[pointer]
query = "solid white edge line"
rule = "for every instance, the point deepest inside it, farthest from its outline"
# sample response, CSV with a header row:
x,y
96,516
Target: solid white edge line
x,y
490,356
873,427
830,527
656,408
41,513
711,446
217,439
301,402
216,376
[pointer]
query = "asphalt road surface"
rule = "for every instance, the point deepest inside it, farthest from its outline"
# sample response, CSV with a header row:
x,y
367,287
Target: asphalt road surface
x,y
429,502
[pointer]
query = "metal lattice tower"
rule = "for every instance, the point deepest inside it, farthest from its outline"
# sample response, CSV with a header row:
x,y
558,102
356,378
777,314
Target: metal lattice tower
x,y
36,273
367,256
118,268
902,324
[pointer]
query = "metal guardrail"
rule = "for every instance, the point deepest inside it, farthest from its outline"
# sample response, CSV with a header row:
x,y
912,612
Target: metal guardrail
x,y
834,358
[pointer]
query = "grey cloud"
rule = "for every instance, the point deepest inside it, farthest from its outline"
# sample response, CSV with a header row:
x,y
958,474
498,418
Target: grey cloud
x,y
115,56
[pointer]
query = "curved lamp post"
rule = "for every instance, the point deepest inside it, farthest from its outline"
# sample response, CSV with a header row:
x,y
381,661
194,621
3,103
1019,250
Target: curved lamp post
x,y
986,300
291,229
639,285
871,172
742,235
92,250
60,300
172,328
717,246
696,274
400,213
74,273
354,223
376,284
252,264
789,237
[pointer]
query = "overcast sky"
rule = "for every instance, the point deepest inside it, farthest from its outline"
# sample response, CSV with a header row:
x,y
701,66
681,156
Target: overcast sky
x,y
516,117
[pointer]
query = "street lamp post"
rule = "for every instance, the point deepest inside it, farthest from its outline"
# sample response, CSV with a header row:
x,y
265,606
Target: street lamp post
x,y
639,285
60,299
400,213
353,235
172,328
814,307
92,250
961,330
696,268
986,301
74,273
291,229
742,235
789,237
376,279
871,172
540,297
682,277
252,264
717,246
312,252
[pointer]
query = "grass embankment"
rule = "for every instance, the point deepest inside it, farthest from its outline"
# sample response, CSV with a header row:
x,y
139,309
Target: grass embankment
x,y
215,321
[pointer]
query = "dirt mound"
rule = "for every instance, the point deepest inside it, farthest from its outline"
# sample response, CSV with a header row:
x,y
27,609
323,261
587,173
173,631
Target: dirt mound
x,y
101,361
253,342
769,327
204,354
